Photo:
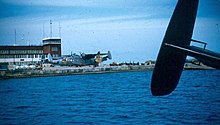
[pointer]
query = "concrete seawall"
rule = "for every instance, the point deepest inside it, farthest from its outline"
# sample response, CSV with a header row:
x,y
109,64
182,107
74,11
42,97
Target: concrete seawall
x,y
58,71
65,70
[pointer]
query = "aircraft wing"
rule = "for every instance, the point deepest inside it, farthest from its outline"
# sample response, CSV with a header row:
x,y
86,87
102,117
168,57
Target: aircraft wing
x,y
89,56
199,53
103,54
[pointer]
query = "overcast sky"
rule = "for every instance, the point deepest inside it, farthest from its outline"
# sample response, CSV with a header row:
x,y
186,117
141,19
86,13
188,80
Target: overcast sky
x,y
131,29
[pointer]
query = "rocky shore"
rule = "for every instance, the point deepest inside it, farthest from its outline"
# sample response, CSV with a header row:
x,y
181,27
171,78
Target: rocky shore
x,y
66,70
62,70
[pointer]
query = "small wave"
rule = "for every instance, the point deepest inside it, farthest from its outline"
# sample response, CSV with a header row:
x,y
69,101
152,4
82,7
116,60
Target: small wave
x,y
120,117
80,122
43,114
67,104
213,118
7,91
197,86
22,107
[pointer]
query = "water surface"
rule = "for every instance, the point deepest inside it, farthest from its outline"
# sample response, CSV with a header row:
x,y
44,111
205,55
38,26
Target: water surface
x,y
113,98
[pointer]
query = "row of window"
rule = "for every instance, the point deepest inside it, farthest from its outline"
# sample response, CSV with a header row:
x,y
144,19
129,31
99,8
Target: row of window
x,y
21,51
21,56
23,63
51,41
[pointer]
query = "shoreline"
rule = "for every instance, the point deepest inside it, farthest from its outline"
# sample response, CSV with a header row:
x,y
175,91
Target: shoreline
x,y
65,70
68,74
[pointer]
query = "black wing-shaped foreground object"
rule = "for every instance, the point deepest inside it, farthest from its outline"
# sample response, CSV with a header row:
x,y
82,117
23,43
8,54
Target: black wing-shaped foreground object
x,y
176,46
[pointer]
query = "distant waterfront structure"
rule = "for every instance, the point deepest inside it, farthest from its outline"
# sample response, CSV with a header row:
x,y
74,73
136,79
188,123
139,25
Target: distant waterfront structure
x,y
31,54
52,45
24,55
19,55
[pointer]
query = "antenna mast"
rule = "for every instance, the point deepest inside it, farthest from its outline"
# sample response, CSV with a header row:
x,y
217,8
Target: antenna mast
x,y
50,28
15,36
43,31
59,30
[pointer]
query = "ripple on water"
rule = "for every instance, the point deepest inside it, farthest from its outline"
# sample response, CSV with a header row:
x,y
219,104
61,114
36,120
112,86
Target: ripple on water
x,y
115,98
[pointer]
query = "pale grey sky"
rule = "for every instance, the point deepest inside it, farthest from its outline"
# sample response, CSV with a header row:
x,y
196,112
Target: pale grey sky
x,y
131,29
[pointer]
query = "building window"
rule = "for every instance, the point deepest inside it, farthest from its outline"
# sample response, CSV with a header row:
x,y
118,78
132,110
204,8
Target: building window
x,y
30,56
3,51
55,55
54,49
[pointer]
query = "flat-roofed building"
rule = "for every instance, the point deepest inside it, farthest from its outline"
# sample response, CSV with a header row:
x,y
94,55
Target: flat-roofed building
x,y
17,55
23,55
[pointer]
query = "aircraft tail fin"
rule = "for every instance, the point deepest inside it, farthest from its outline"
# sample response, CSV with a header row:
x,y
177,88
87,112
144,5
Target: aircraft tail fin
x,y
109,55
170,61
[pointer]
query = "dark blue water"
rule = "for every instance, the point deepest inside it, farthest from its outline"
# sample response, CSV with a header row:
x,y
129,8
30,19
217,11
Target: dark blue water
x,y
115,98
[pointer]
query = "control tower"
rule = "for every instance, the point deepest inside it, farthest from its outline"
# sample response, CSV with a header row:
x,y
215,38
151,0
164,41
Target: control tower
x,y
52,45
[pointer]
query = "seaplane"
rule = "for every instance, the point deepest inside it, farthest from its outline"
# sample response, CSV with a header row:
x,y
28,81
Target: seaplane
x,y
176,46
85,59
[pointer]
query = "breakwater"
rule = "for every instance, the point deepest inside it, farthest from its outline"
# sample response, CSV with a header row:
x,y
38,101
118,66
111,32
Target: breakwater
x,y
62,70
